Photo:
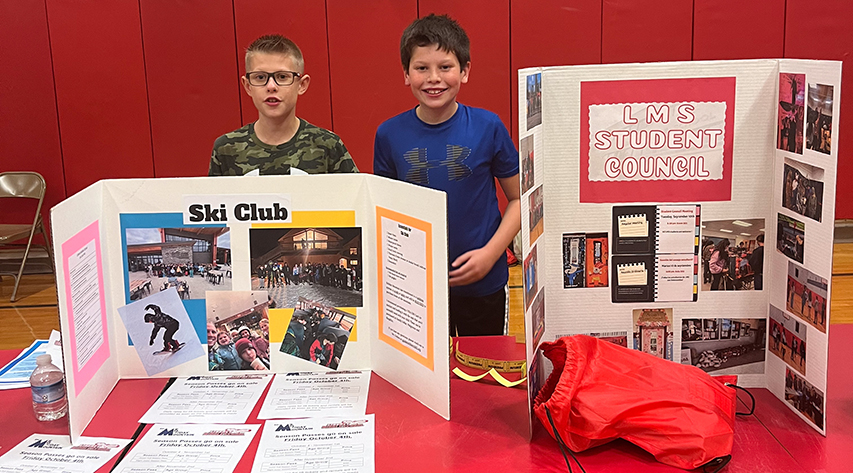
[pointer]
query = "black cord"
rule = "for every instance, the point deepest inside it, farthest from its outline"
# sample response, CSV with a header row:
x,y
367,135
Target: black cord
x,y
139,430
751,397
719,462
562,444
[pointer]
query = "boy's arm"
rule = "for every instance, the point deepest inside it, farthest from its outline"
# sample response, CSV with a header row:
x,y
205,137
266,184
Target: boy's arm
x,y
473,265
341,159
215,168
383,165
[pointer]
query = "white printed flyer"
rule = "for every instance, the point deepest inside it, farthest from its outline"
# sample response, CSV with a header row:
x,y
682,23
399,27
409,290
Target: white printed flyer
x,y
317,444
315,394
54,454
189,448
208,400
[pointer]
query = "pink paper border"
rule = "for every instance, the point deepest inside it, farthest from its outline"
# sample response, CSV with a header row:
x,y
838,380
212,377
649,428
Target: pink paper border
x,y
69,247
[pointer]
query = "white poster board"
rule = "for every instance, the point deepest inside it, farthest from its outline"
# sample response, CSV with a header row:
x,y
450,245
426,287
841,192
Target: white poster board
x,y
629,170
275,258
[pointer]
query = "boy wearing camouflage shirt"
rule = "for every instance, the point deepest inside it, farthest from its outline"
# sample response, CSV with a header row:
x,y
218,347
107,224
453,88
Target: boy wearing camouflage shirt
x,y
278,141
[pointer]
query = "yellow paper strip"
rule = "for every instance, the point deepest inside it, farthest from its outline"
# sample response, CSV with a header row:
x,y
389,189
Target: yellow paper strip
x,y
494,374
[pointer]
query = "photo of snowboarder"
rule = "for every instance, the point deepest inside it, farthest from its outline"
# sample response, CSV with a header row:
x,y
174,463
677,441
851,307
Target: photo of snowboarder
x,y
164,321
161,321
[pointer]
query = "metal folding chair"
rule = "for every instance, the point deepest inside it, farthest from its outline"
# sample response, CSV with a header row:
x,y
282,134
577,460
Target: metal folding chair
x,y
26,185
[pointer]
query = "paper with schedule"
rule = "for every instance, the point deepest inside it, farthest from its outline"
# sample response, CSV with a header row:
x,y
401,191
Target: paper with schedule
x,y
314,394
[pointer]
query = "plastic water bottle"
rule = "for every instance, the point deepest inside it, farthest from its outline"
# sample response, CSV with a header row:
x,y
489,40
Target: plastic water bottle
x,y
48,388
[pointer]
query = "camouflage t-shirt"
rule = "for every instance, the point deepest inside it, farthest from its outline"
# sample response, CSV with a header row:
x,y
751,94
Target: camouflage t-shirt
x,y
312,149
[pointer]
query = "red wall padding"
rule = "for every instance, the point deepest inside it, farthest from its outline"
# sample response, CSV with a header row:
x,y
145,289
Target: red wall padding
x,y
822,31
29,131
305,24
84,112
367,76
193,95
646,30
552,33
100,90
735,29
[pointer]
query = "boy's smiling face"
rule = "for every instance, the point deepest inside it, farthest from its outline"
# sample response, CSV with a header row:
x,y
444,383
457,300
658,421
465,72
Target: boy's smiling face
x,y
435,76
273,101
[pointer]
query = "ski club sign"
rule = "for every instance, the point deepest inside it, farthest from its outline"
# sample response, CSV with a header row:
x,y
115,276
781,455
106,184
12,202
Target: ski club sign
x,y
660,140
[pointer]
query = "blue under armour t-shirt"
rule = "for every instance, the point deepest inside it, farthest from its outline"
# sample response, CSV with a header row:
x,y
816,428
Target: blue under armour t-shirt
x,y
461,156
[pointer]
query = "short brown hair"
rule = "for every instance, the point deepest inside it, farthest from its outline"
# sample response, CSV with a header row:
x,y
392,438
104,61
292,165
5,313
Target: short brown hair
x,y
440,30
276,44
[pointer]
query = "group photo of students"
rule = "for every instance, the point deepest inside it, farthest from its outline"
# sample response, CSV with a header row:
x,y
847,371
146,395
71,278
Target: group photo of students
x,y
318,333
732,254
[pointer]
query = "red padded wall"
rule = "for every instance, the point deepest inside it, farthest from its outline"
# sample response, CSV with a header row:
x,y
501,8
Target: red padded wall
x,y
552,33
646,30
735,29
29,131
193,94
822,31
487,25
367,77
100,90
305,24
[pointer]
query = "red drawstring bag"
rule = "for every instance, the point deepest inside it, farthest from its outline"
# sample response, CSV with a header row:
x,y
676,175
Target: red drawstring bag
x,y
599,391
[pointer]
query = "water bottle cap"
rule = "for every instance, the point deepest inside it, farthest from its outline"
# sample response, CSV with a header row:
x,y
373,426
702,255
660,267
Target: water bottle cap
x,y
43,359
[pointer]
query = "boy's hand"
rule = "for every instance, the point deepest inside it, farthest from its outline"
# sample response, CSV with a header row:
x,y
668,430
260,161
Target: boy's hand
x,y
471,267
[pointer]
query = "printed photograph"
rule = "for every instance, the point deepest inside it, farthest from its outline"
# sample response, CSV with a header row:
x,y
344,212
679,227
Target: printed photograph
x,y
318,264
792,94
788,339
526,153
192,260
596,259
724,346
538,317
806,296
802,190
531,279
819,118
585,260
534,100
733,255
238,331
534,383
318,333
804,397
653,332
536,212
616,338
161,331
574,255
790,237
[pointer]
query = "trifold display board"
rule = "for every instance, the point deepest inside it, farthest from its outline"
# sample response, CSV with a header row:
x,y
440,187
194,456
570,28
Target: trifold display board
x,y
197,276
645,190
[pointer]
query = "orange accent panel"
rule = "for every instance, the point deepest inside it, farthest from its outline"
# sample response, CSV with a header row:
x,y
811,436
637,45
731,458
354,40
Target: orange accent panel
x,y
425,227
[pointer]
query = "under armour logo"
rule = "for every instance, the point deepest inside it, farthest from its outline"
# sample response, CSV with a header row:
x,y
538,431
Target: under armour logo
x,y
418,174
456,170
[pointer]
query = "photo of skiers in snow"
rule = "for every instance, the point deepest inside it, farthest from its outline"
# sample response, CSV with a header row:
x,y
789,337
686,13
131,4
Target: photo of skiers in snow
x,y
318,333
320,264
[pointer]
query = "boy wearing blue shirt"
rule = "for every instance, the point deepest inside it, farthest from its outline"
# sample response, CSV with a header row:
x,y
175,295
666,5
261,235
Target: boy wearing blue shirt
x,y
458,149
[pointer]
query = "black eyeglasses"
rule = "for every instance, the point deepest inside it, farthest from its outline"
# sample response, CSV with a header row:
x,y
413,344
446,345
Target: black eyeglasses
x,y
261,78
